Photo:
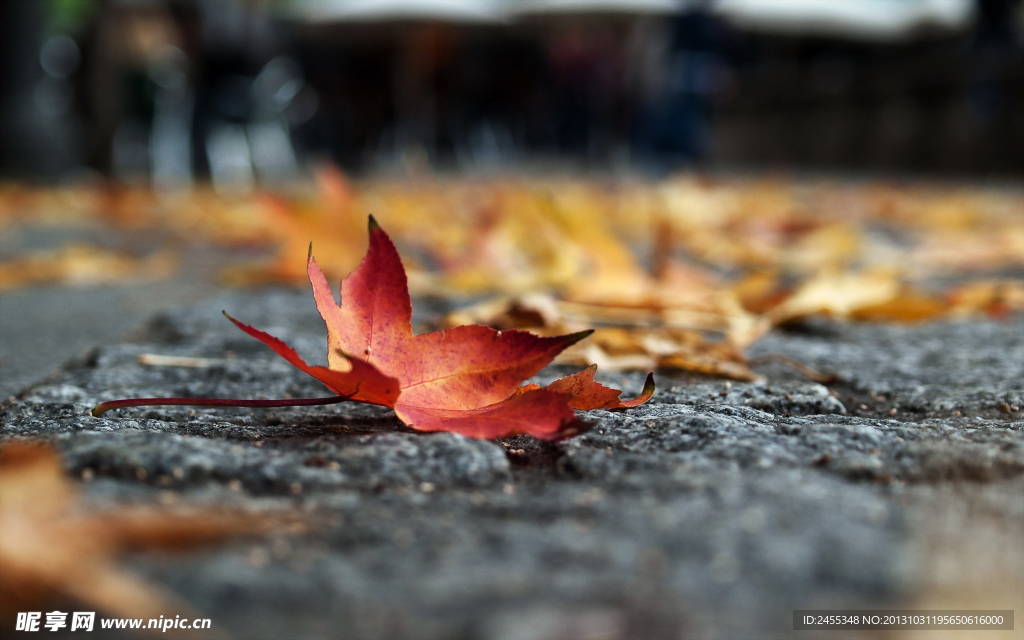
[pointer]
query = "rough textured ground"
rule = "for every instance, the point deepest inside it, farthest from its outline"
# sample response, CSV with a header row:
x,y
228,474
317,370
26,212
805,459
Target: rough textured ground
x,y
42,327
711,512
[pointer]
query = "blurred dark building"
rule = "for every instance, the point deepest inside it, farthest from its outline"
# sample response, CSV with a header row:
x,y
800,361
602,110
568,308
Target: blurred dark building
x,y
944,103
244,92
40,133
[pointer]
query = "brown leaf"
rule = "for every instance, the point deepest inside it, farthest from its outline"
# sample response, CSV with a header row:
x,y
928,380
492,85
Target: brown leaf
x,y
85,265
54,548
612,348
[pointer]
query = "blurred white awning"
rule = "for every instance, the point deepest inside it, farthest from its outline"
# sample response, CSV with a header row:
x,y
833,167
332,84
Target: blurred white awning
x,y
857,19
637,7
470,11
871,19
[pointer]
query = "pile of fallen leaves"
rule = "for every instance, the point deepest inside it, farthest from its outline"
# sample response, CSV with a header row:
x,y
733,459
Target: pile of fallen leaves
x,y
684,272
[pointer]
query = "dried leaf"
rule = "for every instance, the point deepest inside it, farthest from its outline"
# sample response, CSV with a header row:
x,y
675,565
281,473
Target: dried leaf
x,y
837,294
995,298
614,348
83,264
663,348
54,548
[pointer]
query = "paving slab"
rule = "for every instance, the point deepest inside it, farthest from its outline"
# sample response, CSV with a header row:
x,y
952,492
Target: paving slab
x,y
712,511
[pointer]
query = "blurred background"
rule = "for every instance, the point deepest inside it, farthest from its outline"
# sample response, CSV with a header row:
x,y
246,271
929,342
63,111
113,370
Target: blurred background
x,y
249,92
718,166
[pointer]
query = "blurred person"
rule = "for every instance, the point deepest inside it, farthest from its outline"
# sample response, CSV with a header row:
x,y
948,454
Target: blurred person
x,y
587,65
683,74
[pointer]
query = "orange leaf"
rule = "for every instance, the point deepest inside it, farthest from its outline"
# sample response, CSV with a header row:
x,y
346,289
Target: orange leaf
x,y
589,394
538,412
464,380
353,378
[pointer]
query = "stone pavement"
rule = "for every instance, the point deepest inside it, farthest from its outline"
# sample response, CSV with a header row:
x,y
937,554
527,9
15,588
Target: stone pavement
x,y
711,512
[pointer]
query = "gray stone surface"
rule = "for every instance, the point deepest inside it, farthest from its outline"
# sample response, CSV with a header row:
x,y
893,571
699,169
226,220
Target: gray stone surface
x,y
43,327
924,371
713,511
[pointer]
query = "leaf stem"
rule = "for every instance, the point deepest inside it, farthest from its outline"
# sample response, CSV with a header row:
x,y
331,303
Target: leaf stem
x,y
103,407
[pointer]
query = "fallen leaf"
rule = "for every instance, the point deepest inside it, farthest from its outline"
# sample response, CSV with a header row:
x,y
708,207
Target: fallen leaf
x,y
615,348
292,222
463,380
996,298
759,291
906,306
83,264
53,548
585,393
662,348
836,294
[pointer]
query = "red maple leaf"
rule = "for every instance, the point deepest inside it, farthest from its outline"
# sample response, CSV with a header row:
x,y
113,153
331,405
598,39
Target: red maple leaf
x,y
463,380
